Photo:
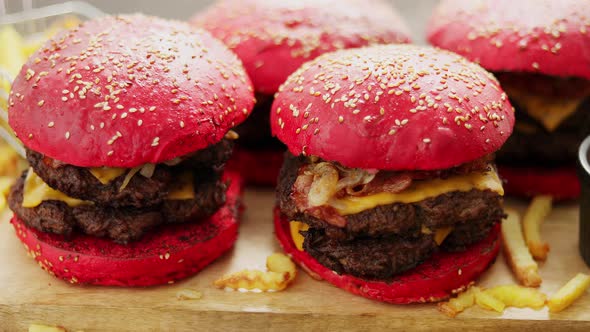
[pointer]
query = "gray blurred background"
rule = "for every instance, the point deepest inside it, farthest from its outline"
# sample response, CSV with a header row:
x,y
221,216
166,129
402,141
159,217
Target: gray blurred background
x,y
415,12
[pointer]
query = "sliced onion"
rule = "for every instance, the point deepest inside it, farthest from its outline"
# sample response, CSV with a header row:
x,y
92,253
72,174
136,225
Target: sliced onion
x,y
147,170
173,162
324,184
354,177
128,177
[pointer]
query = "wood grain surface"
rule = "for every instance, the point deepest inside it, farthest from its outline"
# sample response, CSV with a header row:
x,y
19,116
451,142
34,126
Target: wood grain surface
x,y
29,295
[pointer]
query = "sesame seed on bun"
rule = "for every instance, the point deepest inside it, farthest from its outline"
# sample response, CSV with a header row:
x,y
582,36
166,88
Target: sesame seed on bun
x,y
274,38
538,36
392,107
128,90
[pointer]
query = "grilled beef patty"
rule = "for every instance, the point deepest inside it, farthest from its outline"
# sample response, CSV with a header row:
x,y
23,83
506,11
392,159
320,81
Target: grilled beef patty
x,y
389,239
121,224
78,182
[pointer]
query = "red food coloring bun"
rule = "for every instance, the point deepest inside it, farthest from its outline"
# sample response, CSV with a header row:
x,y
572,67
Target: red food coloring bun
x,y
434,280
561,183
257,167
541,36
274,38
128,90
165,255
395,107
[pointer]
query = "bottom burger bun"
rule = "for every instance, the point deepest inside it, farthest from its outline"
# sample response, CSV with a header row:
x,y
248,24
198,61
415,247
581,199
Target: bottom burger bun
x,y
165,255
257,167
436,279
561,183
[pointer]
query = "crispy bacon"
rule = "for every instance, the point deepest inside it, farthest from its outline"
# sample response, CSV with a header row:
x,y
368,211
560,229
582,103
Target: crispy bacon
x,y
318,181
382,183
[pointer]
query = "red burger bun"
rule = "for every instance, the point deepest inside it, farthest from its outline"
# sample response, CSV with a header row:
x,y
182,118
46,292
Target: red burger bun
x,y
258,167
434,280
126,91
561,183
274,38
540,36
392,107
163,256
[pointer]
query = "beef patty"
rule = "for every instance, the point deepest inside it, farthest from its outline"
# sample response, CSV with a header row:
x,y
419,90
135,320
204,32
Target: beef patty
x,y
389,239
78,182
121,224
369,258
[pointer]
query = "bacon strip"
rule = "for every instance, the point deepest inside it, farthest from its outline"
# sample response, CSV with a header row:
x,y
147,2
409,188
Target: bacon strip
x,y
355,182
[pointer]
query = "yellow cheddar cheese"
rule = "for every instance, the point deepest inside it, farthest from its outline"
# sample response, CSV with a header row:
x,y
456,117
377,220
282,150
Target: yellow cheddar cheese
x,y
295,227
441,234
106,174
183,189
36,191
420,190
550,111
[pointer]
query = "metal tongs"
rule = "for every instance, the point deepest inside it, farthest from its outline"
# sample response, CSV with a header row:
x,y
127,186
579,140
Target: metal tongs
x,y
34,21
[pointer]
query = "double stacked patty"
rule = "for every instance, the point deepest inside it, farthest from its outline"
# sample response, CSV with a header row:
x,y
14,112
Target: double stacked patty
x,y
384,241
531,142
123,215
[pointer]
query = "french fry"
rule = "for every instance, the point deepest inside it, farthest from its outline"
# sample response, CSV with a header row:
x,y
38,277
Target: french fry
x,y
518,296
456,305
188,294
570,292
489,302
537,211
281,272
5,184
516,252
11,57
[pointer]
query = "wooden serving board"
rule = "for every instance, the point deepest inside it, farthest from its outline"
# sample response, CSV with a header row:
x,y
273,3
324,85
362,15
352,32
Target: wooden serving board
x,y
29,295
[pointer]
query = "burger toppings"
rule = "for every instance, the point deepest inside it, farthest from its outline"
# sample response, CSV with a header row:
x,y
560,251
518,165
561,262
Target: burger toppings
x,y
56,197
36,191
332,191
140,186
190,196
415,214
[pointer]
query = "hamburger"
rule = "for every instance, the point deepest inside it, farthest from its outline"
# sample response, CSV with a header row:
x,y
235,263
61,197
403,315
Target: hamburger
x,y
389,188
538,50
273,39
127,126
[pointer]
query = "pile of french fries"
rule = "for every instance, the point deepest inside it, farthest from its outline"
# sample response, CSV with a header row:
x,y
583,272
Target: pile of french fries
x,y
522,245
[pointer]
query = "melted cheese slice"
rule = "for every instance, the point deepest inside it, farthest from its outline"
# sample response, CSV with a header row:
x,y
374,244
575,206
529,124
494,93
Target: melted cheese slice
x,y
183,189
441,234
420,190
295,227
549,111
36,191
106,174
